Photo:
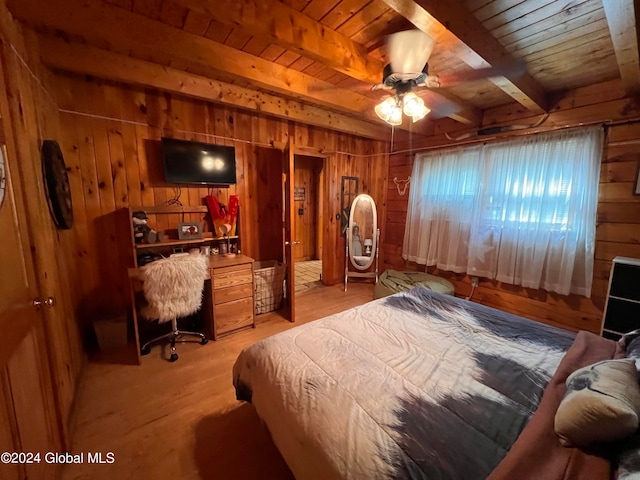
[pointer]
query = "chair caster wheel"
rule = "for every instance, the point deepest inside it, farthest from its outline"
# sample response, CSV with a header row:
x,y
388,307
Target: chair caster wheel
x,y
204,341
145,350
174,357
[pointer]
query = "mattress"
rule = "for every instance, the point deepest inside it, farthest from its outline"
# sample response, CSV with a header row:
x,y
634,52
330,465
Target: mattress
x,y
415,385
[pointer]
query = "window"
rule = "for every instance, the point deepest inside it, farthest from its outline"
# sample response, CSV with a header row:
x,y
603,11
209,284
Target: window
x,y
521,211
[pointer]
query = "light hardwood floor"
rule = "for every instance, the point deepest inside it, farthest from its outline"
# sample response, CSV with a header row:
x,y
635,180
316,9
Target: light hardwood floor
x,y
181,420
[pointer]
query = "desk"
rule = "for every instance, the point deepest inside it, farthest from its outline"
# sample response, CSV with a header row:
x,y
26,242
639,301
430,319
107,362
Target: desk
x,y
228,302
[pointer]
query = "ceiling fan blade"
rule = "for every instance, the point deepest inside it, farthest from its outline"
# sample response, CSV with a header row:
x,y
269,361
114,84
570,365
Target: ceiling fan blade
x,y
409,51
440,106
380,86
430,81
452,79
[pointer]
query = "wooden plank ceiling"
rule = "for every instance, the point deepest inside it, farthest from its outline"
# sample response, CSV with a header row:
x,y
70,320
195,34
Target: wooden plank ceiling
x,y
315,60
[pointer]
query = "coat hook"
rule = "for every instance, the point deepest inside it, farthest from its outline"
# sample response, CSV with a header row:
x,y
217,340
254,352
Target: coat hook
x,y
399,182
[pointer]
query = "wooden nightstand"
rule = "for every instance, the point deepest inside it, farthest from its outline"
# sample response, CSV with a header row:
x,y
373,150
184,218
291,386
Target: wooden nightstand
x,y
232,295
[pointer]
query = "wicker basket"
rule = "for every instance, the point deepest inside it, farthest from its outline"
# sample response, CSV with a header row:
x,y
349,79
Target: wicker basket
x,y
269,278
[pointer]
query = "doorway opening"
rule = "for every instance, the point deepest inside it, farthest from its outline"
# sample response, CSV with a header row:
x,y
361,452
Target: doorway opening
x,y
308,206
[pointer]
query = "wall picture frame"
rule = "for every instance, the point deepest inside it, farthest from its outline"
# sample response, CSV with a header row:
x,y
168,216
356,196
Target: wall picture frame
x,y
299,194
189,230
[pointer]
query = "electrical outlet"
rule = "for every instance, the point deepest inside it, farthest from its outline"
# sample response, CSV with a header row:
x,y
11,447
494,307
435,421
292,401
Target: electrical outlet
x,y
475,281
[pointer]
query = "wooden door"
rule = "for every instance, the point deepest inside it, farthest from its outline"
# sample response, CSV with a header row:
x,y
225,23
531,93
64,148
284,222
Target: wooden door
x,y
288,170
28,418
306,196
264,205
28,117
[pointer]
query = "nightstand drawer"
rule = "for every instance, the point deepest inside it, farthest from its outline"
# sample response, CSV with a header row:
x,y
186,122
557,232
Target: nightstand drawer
x,y
231,278
232,268
233,315
229,294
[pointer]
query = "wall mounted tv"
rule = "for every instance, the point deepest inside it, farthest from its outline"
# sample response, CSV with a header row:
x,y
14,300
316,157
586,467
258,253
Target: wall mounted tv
x,y
199,163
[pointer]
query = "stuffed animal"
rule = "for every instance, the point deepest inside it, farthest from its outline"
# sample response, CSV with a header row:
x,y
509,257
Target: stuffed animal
x,y
142,233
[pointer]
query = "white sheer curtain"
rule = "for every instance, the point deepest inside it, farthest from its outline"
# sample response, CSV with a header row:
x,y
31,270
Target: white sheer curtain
x,y
521,211
445,184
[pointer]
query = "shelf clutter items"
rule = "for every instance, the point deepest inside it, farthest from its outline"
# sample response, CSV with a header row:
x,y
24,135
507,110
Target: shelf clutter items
x,y
162,230
142,233
225,218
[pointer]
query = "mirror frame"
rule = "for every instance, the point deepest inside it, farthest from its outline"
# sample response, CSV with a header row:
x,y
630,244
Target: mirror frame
x,y
362,197
348,192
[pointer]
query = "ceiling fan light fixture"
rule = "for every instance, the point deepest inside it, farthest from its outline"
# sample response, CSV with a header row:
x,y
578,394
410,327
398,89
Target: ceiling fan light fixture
x,y
390,111
411,104
396,116
421,115
414,107
421,112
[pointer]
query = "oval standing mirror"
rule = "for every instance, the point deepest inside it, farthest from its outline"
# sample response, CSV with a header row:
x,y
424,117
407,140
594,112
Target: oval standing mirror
x,y
362,233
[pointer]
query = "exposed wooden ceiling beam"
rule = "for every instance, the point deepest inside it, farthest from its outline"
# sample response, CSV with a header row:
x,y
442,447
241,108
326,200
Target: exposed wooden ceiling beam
x,y
86,60
294,31
123,31
297,32
456,29
621,17
147,39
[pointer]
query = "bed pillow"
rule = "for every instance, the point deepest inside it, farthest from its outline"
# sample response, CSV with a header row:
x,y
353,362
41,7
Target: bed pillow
x,y
602,404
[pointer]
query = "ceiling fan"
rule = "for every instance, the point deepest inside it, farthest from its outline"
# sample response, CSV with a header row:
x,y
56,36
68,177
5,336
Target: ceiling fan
x,y
408,53
408,71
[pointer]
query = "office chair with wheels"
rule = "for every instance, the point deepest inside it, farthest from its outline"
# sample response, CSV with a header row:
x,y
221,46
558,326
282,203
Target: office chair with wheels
x,y
173,288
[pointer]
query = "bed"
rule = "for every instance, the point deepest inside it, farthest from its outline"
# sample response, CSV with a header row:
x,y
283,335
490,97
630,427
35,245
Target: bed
x,y
415,385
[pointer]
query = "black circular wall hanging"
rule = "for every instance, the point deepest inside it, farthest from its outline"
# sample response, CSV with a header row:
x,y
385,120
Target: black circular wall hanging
x,y
56,183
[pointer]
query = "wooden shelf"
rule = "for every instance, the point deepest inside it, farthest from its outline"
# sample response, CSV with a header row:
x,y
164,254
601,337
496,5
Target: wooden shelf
x,y
171,208
169,243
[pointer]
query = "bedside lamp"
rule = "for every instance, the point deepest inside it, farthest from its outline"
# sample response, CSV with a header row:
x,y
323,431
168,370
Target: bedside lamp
x,y
368,243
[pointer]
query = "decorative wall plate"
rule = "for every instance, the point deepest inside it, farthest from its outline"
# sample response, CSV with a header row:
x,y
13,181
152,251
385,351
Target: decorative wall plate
x,y
56,183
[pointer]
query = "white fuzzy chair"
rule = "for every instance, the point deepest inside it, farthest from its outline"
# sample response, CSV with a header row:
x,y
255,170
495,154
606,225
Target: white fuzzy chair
x,y
173,288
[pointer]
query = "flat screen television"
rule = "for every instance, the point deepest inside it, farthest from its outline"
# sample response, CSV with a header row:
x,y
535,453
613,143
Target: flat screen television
x,y
199,163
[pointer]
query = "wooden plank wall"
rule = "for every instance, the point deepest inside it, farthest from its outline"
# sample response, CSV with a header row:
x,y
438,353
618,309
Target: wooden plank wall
x,y
618,230
618,227
34,118
369,163
263,180
111,142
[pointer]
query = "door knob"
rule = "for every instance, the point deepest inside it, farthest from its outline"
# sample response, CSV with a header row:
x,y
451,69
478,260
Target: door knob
x,y
48,302
292,243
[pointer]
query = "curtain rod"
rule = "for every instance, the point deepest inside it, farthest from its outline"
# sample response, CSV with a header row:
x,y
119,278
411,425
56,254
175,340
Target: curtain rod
x,y
479,140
